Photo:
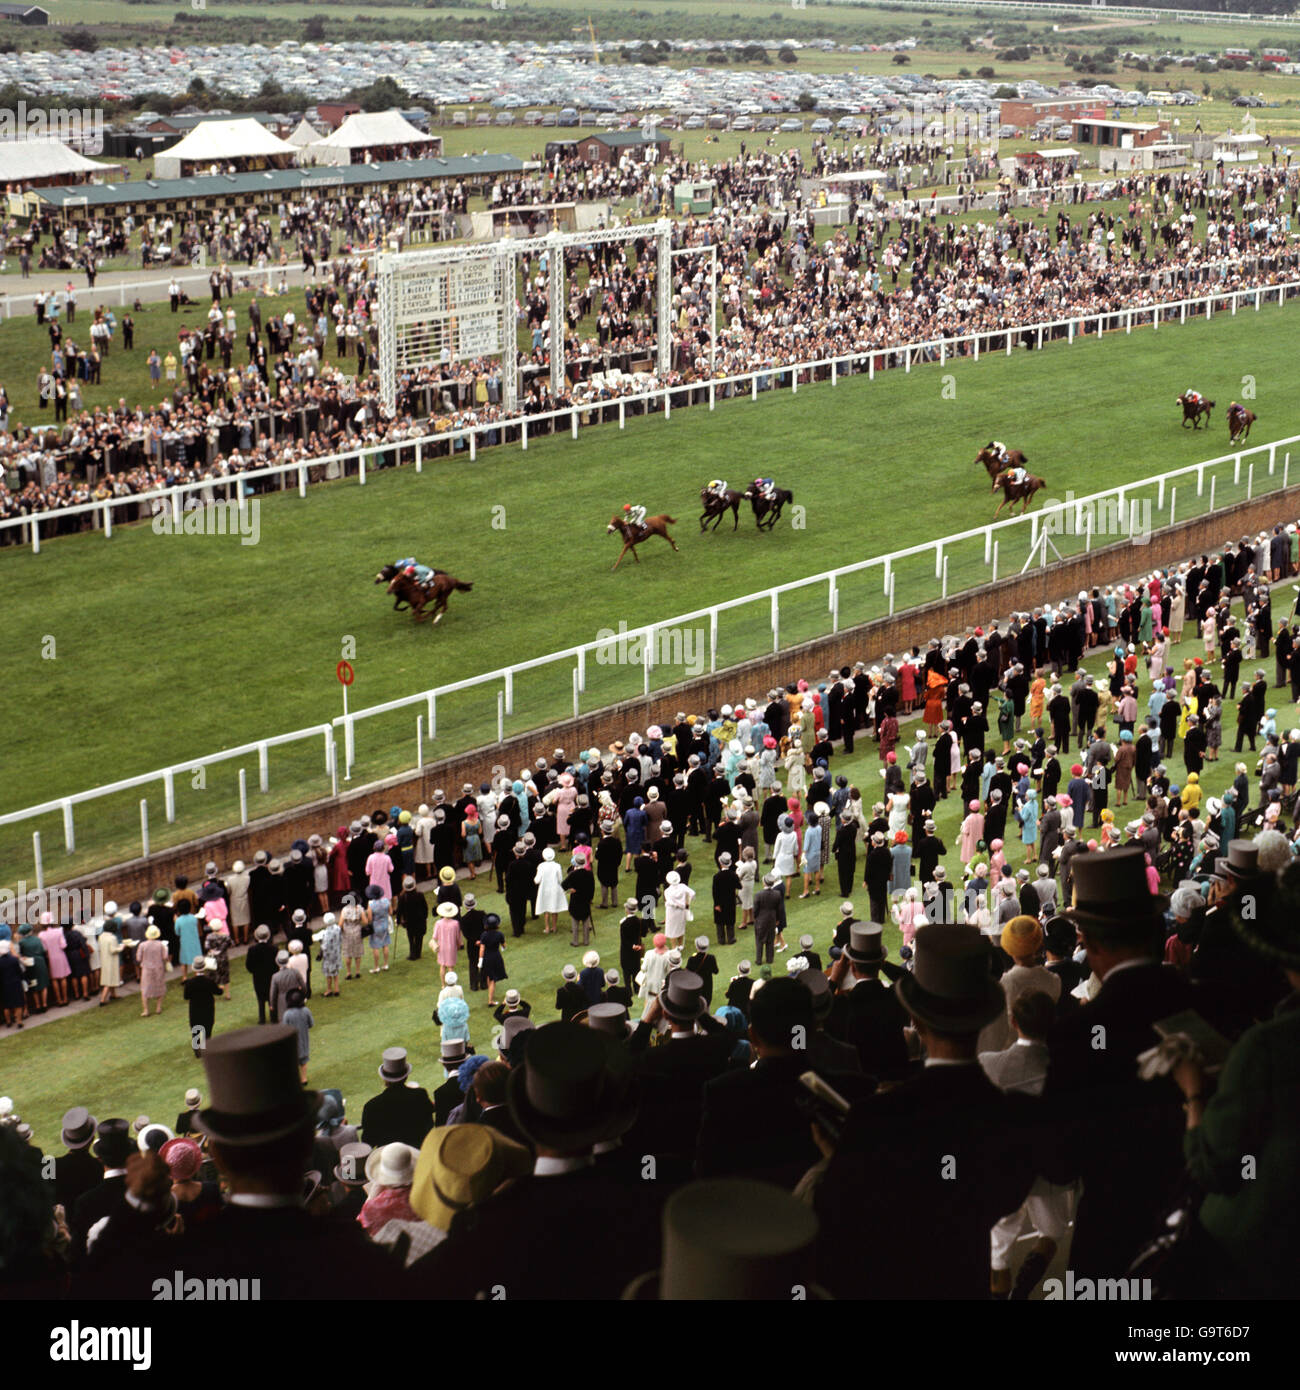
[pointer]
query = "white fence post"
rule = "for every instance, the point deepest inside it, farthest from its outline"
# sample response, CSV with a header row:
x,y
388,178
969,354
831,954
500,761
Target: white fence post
x,y
945,577
263,768
938,560
713,640
1236,471
108,520
573,424
36,533
361,469
995,562
523,433
1286,469
144,828
419,744
243,797
575,692
510,691
349,749
622,415
1173,500
776,621
302,480
582,669
501,717
169,796
431,714
1250,480
419,452
69,830
36,860
1213,480
892,577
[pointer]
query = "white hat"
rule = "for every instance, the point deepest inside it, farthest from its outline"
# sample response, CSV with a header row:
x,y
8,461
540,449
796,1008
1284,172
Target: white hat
x,y
590,959
392,1165
447,910
452,978
548,853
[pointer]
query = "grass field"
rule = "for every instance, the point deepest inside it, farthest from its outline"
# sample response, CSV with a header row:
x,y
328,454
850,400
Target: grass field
x,y
876,465
117,1063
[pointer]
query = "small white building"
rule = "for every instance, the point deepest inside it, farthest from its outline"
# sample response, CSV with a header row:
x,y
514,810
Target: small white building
x,y
1238,149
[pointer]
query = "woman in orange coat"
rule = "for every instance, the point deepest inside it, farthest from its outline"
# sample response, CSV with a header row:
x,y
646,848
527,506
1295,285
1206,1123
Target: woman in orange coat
x,y
935,685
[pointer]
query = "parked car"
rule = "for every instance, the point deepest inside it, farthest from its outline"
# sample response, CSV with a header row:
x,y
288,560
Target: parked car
x,y
792,124
821,126
693,123
743,123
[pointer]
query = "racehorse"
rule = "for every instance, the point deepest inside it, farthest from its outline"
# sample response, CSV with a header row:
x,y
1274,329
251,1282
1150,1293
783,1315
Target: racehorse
x,y
1194,408
634,536
419,596
781,498
1013,492
716,507
989,458
1239,422
383,577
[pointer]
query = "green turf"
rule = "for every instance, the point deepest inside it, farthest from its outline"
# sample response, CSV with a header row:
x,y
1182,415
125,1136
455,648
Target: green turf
x,y
117,1063
877,466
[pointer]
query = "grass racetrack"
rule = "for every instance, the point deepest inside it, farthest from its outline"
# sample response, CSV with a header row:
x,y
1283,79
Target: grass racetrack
x,y
169,648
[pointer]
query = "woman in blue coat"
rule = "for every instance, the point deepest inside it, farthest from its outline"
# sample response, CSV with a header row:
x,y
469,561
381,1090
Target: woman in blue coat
x,y
1029,825
634,824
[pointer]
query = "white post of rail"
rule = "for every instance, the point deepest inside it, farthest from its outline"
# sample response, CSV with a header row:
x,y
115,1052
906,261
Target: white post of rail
x,y
995,562
243,797
1173,501
419,743
302,480
69,830
575,692
582,669
510,691
144,828
169,796
1213,480
419,453
108,520
431,714
523,433
945,577
36,859
776,621
361,469
263,768
501,717
1250,480
713,640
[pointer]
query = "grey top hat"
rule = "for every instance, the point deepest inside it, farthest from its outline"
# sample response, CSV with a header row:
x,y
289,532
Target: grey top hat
x,y
254,1092
950,988
609,1018
866,943
351,1167
572,1089
682,997
78,1127
394,1066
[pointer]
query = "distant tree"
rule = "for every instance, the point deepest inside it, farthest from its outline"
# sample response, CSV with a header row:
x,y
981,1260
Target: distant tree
x,y
378,96
314,29
1004,93
805,101
987,73
788,55
82,40
900,59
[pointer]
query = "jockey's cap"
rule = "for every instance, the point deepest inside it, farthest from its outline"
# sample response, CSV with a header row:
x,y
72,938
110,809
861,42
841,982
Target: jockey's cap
x,y
410,569
627,506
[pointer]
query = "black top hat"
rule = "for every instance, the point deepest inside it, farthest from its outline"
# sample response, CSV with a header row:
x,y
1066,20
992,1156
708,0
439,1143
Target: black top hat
x,y
819,986
866,943
114,1143
1061,935
1241,862
254,1093
78,1127
1111,889
394,1067
950,987
572,1090
682,997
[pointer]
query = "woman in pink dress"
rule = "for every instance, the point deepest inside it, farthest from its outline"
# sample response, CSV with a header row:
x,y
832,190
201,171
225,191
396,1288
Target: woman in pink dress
x,y
152,961
52,939
379,870
907,684
446,938
910,915
565,800
972,832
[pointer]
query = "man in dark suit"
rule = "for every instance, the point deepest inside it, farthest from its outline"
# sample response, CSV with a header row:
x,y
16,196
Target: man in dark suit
x,y
449,1095
260,1125
769,918
740,988
865,1012
113,1145
78,1170
399,1113
1121,1135
963,1152
753,1125
570,998
572,1092
673,1075
615,993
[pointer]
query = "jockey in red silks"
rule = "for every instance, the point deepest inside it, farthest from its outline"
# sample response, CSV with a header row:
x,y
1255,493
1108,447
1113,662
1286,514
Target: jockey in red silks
x,y
634,515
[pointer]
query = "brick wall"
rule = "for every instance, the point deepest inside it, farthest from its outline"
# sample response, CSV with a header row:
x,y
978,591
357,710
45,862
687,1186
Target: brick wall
x,y
1059,580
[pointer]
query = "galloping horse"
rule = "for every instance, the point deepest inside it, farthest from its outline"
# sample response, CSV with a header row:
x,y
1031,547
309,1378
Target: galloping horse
x,y
1013,491
633,536
716,507
420,596
1194,406
384,576
988,456
781,498
1239,422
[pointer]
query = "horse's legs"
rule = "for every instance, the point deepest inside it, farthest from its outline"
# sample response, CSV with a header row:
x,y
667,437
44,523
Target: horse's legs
x,y
670,540
621,553
735,516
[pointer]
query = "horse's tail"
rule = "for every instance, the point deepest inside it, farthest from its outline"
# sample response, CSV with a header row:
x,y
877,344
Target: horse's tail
x,y
671,520
462,586
789,496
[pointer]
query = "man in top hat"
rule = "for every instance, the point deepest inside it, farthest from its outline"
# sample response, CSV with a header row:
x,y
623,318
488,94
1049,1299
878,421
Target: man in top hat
x,y
570,998
963,1152
865,1012
752,1124
260,1125
114,1144
185,1120
260,963
568,1230
77,1170
695,1049
400,1113
348,1191
615,993
1121,1135
1237,986
769,918
449,1095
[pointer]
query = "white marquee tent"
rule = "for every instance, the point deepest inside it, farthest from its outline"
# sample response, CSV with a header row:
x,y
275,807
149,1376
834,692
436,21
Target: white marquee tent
x,y
369,130
46,161
304,133
220,142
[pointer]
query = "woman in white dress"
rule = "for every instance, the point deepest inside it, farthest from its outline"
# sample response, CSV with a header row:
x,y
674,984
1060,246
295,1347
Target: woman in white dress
x,y
550,896
677,908
422,826
747,872
786,852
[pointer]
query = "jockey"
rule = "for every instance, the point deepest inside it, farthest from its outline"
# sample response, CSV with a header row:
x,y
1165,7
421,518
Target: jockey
x,y
999,450
635,515
765,487
718,487
1192,397
1017,475
420,573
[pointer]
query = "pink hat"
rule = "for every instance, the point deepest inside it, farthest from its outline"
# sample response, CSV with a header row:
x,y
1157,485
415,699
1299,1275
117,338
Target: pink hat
x,y
1064,800
802,686
995,844
974,806
660,940
769,741
182,1157
390,840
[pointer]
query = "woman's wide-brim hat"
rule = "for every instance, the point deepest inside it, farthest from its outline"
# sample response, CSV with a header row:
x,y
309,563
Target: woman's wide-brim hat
x,y
254,1092
447,910
461,1165
573,1088
950,988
